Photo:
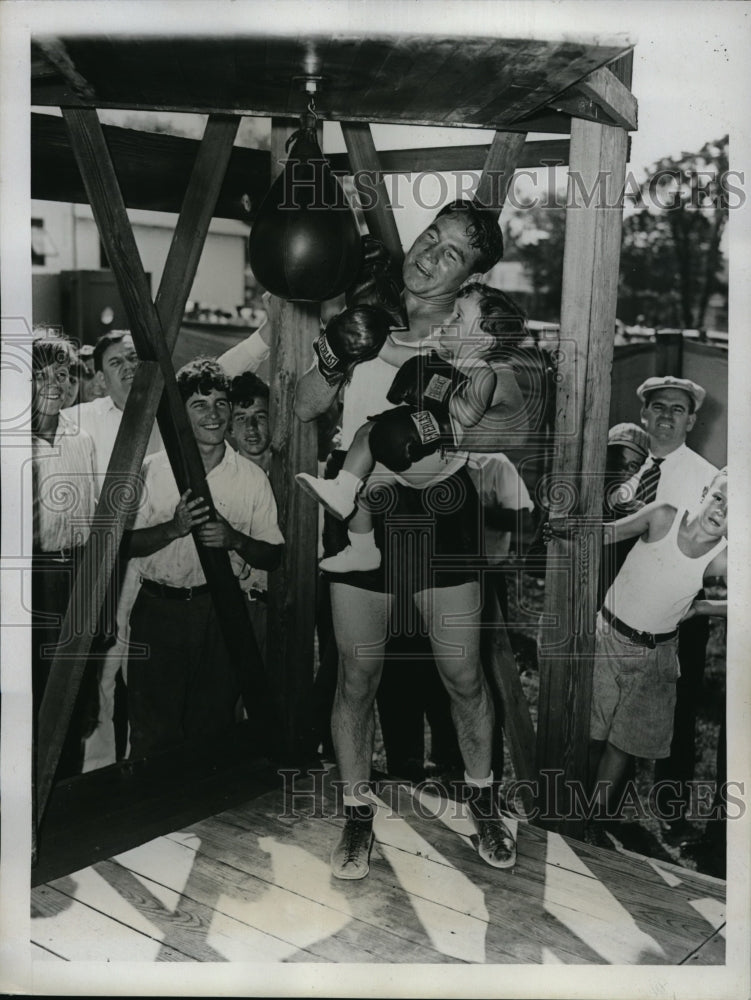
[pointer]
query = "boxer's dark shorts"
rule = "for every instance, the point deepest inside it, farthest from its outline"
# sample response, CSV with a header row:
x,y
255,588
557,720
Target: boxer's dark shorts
x,y
428,538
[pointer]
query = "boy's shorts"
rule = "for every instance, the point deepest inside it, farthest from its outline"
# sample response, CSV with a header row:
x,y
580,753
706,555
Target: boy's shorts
x,y
633,693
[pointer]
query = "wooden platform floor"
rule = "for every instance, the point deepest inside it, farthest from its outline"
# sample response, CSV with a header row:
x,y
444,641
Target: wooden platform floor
x,y
253,884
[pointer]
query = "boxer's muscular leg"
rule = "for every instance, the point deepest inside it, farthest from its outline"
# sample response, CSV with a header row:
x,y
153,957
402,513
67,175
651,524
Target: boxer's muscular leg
x,y
360,625
452,615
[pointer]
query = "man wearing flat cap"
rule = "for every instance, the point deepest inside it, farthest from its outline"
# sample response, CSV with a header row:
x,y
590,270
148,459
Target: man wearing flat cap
x,y
673,473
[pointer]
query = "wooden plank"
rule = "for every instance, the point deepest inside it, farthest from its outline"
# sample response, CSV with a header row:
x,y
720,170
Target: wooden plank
x,y
374,200
435,864
426,79
590,275
153,169
80,934
56,53
312,914
199,932
93,816
130,444
535,153
712,952
294,448
561,66
498,169
577,105
608,93
378,901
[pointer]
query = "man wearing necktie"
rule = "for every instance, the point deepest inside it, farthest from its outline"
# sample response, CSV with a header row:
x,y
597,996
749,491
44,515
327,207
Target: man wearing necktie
x,y
673,473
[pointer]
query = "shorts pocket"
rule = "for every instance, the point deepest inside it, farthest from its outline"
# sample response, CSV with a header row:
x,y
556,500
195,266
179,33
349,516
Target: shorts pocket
x,y
668,667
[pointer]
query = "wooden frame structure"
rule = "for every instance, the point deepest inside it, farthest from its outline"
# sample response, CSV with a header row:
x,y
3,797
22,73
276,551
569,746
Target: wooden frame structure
x,y
512,86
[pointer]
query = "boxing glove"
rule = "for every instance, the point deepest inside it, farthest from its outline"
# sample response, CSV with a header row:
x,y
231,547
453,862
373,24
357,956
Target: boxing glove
x,y
402,436
426,381
376,285
351,337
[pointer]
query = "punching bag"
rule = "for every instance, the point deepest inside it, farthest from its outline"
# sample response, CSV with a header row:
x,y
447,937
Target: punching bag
x,y
304,243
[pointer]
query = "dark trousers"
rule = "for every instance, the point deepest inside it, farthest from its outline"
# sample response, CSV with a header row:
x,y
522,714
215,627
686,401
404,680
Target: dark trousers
x,y
679,766
186,686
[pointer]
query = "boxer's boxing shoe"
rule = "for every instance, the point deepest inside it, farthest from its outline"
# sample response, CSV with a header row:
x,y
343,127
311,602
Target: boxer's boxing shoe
x,y
352,560
495,842
350,859
336,495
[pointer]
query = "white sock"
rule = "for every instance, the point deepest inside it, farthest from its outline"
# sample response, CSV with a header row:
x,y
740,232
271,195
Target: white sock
x,y
362,540
479,782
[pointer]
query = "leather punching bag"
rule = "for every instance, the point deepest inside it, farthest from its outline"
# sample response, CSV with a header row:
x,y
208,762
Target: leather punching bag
x,y
304,243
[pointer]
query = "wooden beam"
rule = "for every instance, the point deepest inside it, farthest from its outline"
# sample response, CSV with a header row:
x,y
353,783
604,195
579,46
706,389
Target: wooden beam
x,y
616,100
374,200
577,105
590,280
57,54
130,445
538,153
498,170
153,169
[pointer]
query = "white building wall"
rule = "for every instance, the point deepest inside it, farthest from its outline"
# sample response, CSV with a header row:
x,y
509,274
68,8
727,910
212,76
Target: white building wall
x,y
73,236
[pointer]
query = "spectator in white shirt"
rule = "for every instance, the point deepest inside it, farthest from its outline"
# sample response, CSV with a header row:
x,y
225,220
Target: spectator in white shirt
x,y
62,506
188,686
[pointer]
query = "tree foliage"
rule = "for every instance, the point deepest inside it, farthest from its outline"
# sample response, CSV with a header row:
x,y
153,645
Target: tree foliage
x,y
671,261
671,257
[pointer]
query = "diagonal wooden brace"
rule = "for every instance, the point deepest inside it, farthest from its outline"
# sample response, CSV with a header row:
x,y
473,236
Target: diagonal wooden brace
x,y
498,172
364,161
147,323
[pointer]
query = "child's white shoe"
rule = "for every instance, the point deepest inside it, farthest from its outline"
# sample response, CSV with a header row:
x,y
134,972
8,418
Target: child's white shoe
x,y
352,560
336,495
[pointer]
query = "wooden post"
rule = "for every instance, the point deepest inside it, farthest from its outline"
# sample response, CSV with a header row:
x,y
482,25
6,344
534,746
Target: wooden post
x,y
294,448
590,282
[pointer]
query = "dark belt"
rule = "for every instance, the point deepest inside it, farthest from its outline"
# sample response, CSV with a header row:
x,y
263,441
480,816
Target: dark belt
x,y
648,639
173,593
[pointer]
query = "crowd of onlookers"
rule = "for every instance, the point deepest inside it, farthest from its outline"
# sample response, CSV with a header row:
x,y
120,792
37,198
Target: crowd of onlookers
x,y
161,649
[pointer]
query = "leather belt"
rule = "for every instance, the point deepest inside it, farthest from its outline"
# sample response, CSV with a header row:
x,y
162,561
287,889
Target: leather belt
x,y
173,593
648,639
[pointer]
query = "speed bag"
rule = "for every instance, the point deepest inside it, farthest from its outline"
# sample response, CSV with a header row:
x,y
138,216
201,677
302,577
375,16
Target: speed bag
x,y
305,244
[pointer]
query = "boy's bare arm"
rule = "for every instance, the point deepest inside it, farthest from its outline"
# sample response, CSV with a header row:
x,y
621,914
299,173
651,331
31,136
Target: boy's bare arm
x,y
654,519
396,354
505,416
717,609
474,398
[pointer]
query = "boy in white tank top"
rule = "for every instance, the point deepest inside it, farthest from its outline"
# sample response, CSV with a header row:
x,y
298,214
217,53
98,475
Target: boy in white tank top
x,y
636,662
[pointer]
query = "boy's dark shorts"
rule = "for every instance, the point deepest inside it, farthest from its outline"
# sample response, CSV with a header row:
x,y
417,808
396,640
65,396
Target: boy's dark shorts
x,y
428,538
